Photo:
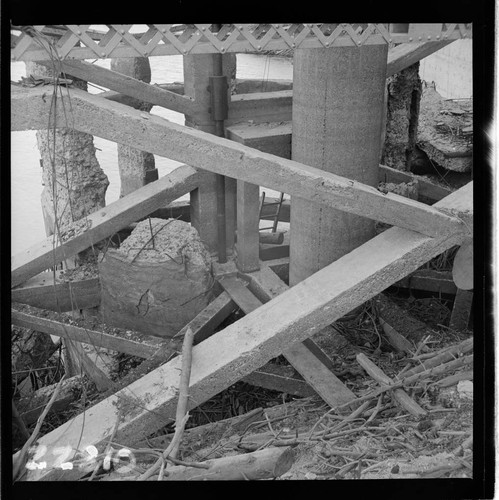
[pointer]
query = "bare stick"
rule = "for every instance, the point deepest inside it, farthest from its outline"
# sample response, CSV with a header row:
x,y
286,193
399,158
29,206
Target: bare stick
x,y
181,416
19,462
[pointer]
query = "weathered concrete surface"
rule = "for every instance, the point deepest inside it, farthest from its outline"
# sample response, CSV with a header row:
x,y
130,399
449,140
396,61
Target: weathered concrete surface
x,y
158,280
404,95
338,98
197,71
74,184
136,167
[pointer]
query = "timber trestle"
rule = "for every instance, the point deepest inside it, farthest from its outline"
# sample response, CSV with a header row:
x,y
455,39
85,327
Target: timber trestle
x,y
278,319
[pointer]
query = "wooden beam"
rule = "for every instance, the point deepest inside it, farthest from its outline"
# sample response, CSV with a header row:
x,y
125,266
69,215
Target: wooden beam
x,y
461,310
248,216
135,344
406,54
278,378
426,188
272,252
40,291
260,107
103,223
123,124
177,88
87,366
304,360
210,317
255,339
429,281
125,85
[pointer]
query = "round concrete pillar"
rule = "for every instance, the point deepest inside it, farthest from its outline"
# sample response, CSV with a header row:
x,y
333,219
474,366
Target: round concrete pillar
x,y
338,96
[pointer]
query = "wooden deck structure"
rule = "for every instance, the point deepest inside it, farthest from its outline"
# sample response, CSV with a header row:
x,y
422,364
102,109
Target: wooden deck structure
x,y
278,319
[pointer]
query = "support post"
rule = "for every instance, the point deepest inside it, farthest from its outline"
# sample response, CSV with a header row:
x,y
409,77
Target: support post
x,y
338,98
137,168
198,68
248,238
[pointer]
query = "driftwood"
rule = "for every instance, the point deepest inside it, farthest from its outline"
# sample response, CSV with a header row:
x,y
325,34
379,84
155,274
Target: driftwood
x,y
396,340
442,357
268,463
399,394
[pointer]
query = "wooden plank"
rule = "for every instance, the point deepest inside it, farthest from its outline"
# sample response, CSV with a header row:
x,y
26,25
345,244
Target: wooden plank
x,y
104,223
248,217
136,344
406,54
278,378
426,188
306,357
255,339
126,85
272,252
238,291
461,311
251,85
87,366
429,281
124,124
40,291
303,358
210,317
260,107
176,87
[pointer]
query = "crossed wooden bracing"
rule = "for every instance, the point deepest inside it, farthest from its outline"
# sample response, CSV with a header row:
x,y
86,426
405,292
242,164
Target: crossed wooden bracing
x,y
278,320
31,43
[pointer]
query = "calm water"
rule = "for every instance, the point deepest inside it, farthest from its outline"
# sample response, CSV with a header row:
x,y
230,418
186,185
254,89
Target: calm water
x,y
26,177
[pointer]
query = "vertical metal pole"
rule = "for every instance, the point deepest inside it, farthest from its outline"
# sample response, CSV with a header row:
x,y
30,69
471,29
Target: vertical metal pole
x,y
220,179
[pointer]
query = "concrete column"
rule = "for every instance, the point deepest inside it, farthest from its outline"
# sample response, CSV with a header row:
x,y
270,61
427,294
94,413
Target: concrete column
x,y
197,70
338,99
137,168
74,183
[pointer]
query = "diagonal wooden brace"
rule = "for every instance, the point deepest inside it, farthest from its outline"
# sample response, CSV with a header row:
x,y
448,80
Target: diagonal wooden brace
x,y
306,357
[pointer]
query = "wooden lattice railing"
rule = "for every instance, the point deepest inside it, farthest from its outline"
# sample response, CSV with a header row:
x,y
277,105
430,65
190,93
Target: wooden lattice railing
x,y
31,43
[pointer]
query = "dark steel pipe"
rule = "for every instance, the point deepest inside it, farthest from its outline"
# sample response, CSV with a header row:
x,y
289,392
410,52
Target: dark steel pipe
x,y
219,107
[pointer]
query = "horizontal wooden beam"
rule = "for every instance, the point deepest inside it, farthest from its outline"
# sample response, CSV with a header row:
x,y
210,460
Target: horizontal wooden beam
x,y
176,87
126,85
429,281
255,339
41,291
125,125
274,105
103,223
135,344
260,107
404,55
426,188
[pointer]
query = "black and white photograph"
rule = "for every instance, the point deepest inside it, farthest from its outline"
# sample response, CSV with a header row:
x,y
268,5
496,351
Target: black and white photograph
x,y
245,252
